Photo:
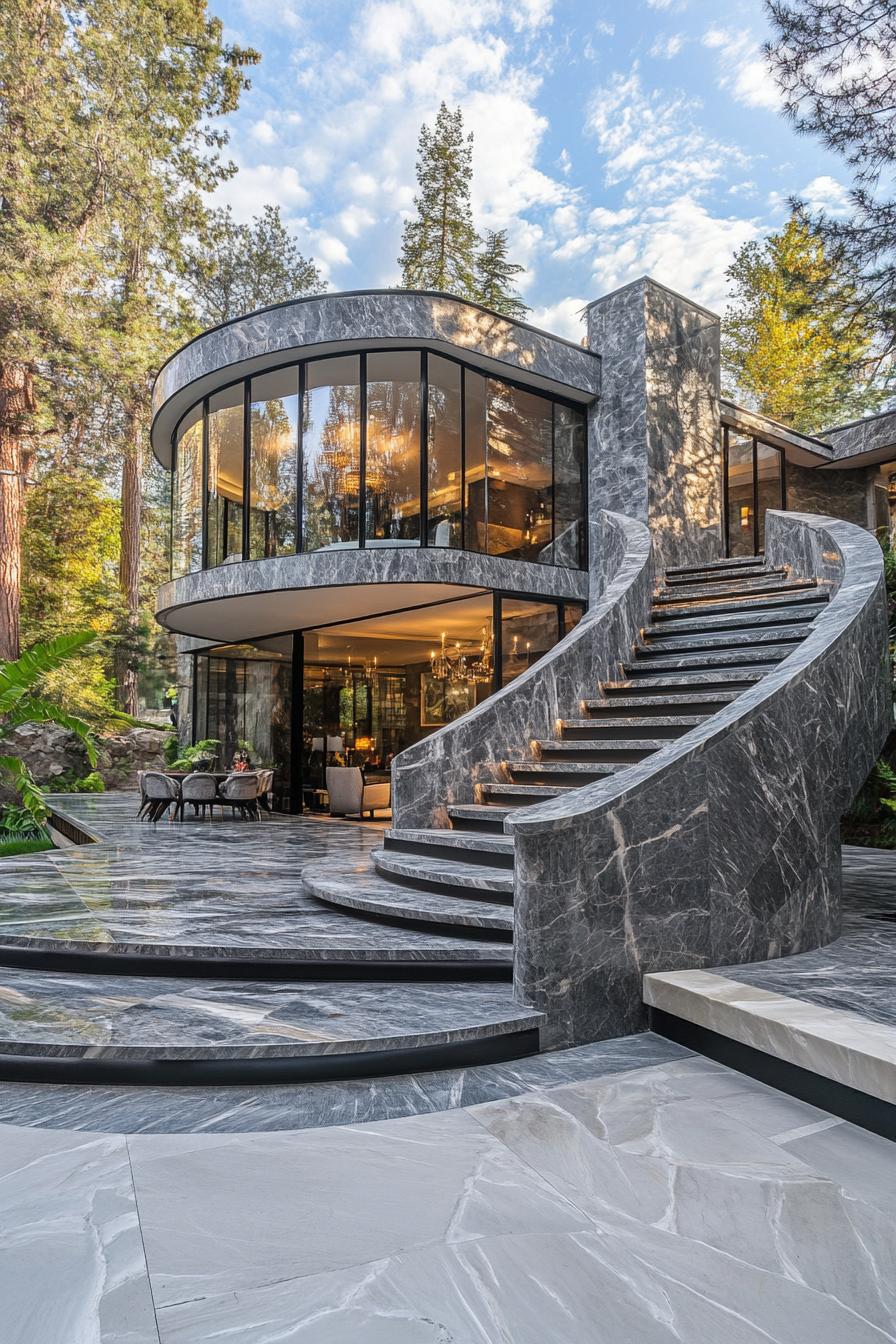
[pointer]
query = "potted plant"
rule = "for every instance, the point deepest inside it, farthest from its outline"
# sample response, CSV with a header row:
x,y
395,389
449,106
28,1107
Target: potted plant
x,y
201,756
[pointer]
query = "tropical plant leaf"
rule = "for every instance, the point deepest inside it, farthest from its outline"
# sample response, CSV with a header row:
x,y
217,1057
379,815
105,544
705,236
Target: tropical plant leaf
x,y
19,677
34,710
33,797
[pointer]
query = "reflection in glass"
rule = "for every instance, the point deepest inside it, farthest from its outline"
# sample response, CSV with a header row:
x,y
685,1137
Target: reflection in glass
x,y
393,446
572,614
768,484
273,430
519,473
331,453
740,495
186,496
569,497
444,452
476,499
528,629
225,476
247,698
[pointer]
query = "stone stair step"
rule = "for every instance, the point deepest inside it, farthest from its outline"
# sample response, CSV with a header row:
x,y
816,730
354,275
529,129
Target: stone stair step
x,y
573,772
811,598
649,664
521,795
713,576
481,818
441,874
698,642
699,598
723,680
614,750
728,562
752,619
465,846
635,726
649,703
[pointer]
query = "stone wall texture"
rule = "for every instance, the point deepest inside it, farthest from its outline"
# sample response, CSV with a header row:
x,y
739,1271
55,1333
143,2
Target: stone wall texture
x,y
50,751
724,846
654,433
839,494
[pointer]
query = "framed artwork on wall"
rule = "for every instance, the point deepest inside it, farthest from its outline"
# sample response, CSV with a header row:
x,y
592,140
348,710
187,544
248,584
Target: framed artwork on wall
x,y
443,701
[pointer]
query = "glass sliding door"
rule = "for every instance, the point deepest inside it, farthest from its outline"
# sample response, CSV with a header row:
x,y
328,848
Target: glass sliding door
x,y
754,482
528,630
273,463
769,486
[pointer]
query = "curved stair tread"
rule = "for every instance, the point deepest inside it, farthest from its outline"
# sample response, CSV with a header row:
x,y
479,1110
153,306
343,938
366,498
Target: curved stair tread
x,y
443,872
52,1015
365,891
480,842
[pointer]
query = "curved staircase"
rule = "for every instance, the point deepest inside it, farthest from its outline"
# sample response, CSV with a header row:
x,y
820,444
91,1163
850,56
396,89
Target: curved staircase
x,y
714,631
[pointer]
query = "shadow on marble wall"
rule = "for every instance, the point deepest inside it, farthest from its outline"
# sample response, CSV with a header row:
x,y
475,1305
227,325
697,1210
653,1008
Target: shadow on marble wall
x,y
723,847
442,769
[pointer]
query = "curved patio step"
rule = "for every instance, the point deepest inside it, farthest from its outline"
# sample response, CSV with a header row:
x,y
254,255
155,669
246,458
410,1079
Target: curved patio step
x,y
368,893
61,1027
464,846
439,873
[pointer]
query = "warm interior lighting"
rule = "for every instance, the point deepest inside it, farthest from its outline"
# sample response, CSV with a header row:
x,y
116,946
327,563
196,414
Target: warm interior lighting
x,y
746,516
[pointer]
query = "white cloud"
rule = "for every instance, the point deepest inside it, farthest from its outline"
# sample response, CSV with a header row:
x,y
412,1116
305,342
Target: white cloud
x,y
563,318
743,69
261,184
354,220
564,162
263,132
331,251
531,14
679,243
827,194
653,141
667,45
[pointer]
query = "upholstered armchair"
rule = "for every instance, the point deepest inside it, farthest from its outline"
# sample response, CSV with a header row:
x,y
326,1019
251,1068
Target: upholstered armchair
x,y
350,795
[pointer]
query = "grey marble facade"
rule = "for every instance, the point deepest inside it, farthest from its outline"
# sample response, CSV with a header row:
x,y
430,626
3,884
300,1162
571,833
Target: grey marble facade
x,y
443,768
260,597
840,493
654,433
318,325
873,434
723,847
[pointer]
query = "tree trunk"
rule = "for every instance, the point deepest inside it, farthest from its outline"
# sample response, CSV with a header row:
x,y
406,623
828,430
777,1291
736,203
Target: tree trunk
x,y
129,563
16,405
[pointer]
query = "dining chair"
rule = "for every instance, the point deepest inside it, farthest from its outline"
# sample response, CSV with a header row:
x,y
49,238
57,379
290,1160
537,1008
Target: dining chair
x,y
240,791
200,790
265,784
162,792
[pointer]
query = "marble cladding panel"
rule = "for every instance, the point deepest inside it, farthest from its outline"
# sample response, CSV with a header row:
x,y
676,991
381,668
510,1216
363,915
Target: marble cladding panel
x,y
373,565
871,434
723,846
443,768
379,315
654,434
840,494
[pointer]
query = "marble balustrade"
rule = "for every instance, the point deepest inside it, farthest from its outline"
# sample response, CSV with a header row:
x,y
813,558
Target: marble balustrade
x,y
724,846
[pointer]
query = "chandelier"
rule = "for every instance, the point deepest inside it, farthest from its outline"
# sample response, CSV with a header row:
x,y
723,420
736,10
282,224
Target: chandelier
x,y
456,667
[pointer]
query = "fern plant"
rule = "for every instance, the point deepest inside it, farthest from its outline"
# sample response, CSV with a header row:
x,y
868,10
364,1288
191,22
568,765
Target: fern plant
x,y
21,702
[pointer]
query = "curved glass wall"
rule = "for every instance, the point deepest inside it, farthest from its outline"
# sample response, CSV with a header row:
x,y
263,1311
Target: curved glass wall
x,y
382,448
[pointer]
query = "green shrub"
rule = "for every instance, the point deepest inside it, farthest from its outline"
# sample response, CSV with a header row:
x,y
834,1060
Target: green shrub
x,y
71,782
10,847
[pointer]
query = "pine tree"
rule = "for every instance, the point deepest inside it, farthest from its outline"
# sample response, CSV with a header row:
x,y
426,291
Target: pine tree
x,y
494,277
789,344
242,267
438,247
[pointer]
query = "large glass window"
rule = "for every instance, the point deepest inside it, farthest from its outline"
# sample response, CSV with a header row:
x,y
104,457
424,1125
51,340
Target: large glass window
x,y
186,496
393,447
331,453
519,473
225,476
273,430
332,459
569,488
754,482
528,630
444,456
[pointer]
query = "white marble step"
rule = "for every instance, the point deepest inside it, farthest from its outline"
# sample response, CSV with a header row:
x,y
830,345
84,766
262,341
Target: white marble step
x,y
699,641
730,575
651,664
737,592
467,844
797,614
521,795
719,566
480,818
650,704
721,679
673,612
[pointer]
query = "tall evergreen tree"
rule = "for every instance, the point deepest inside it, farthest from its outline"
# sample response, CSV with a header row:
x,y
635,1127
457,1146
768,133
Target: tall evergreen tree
x,y
835,63
788,345
438,246
241,267
494,274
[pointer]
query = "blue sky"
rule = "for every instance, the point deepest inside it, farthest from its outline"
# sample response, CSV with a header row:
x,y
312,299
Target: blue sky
x,y
611,139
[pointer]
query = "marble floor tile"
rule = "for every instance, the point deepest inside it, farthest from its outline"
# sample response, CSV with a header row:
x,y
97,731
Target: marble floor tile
x,y
229,1214
864,1164
72,1269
